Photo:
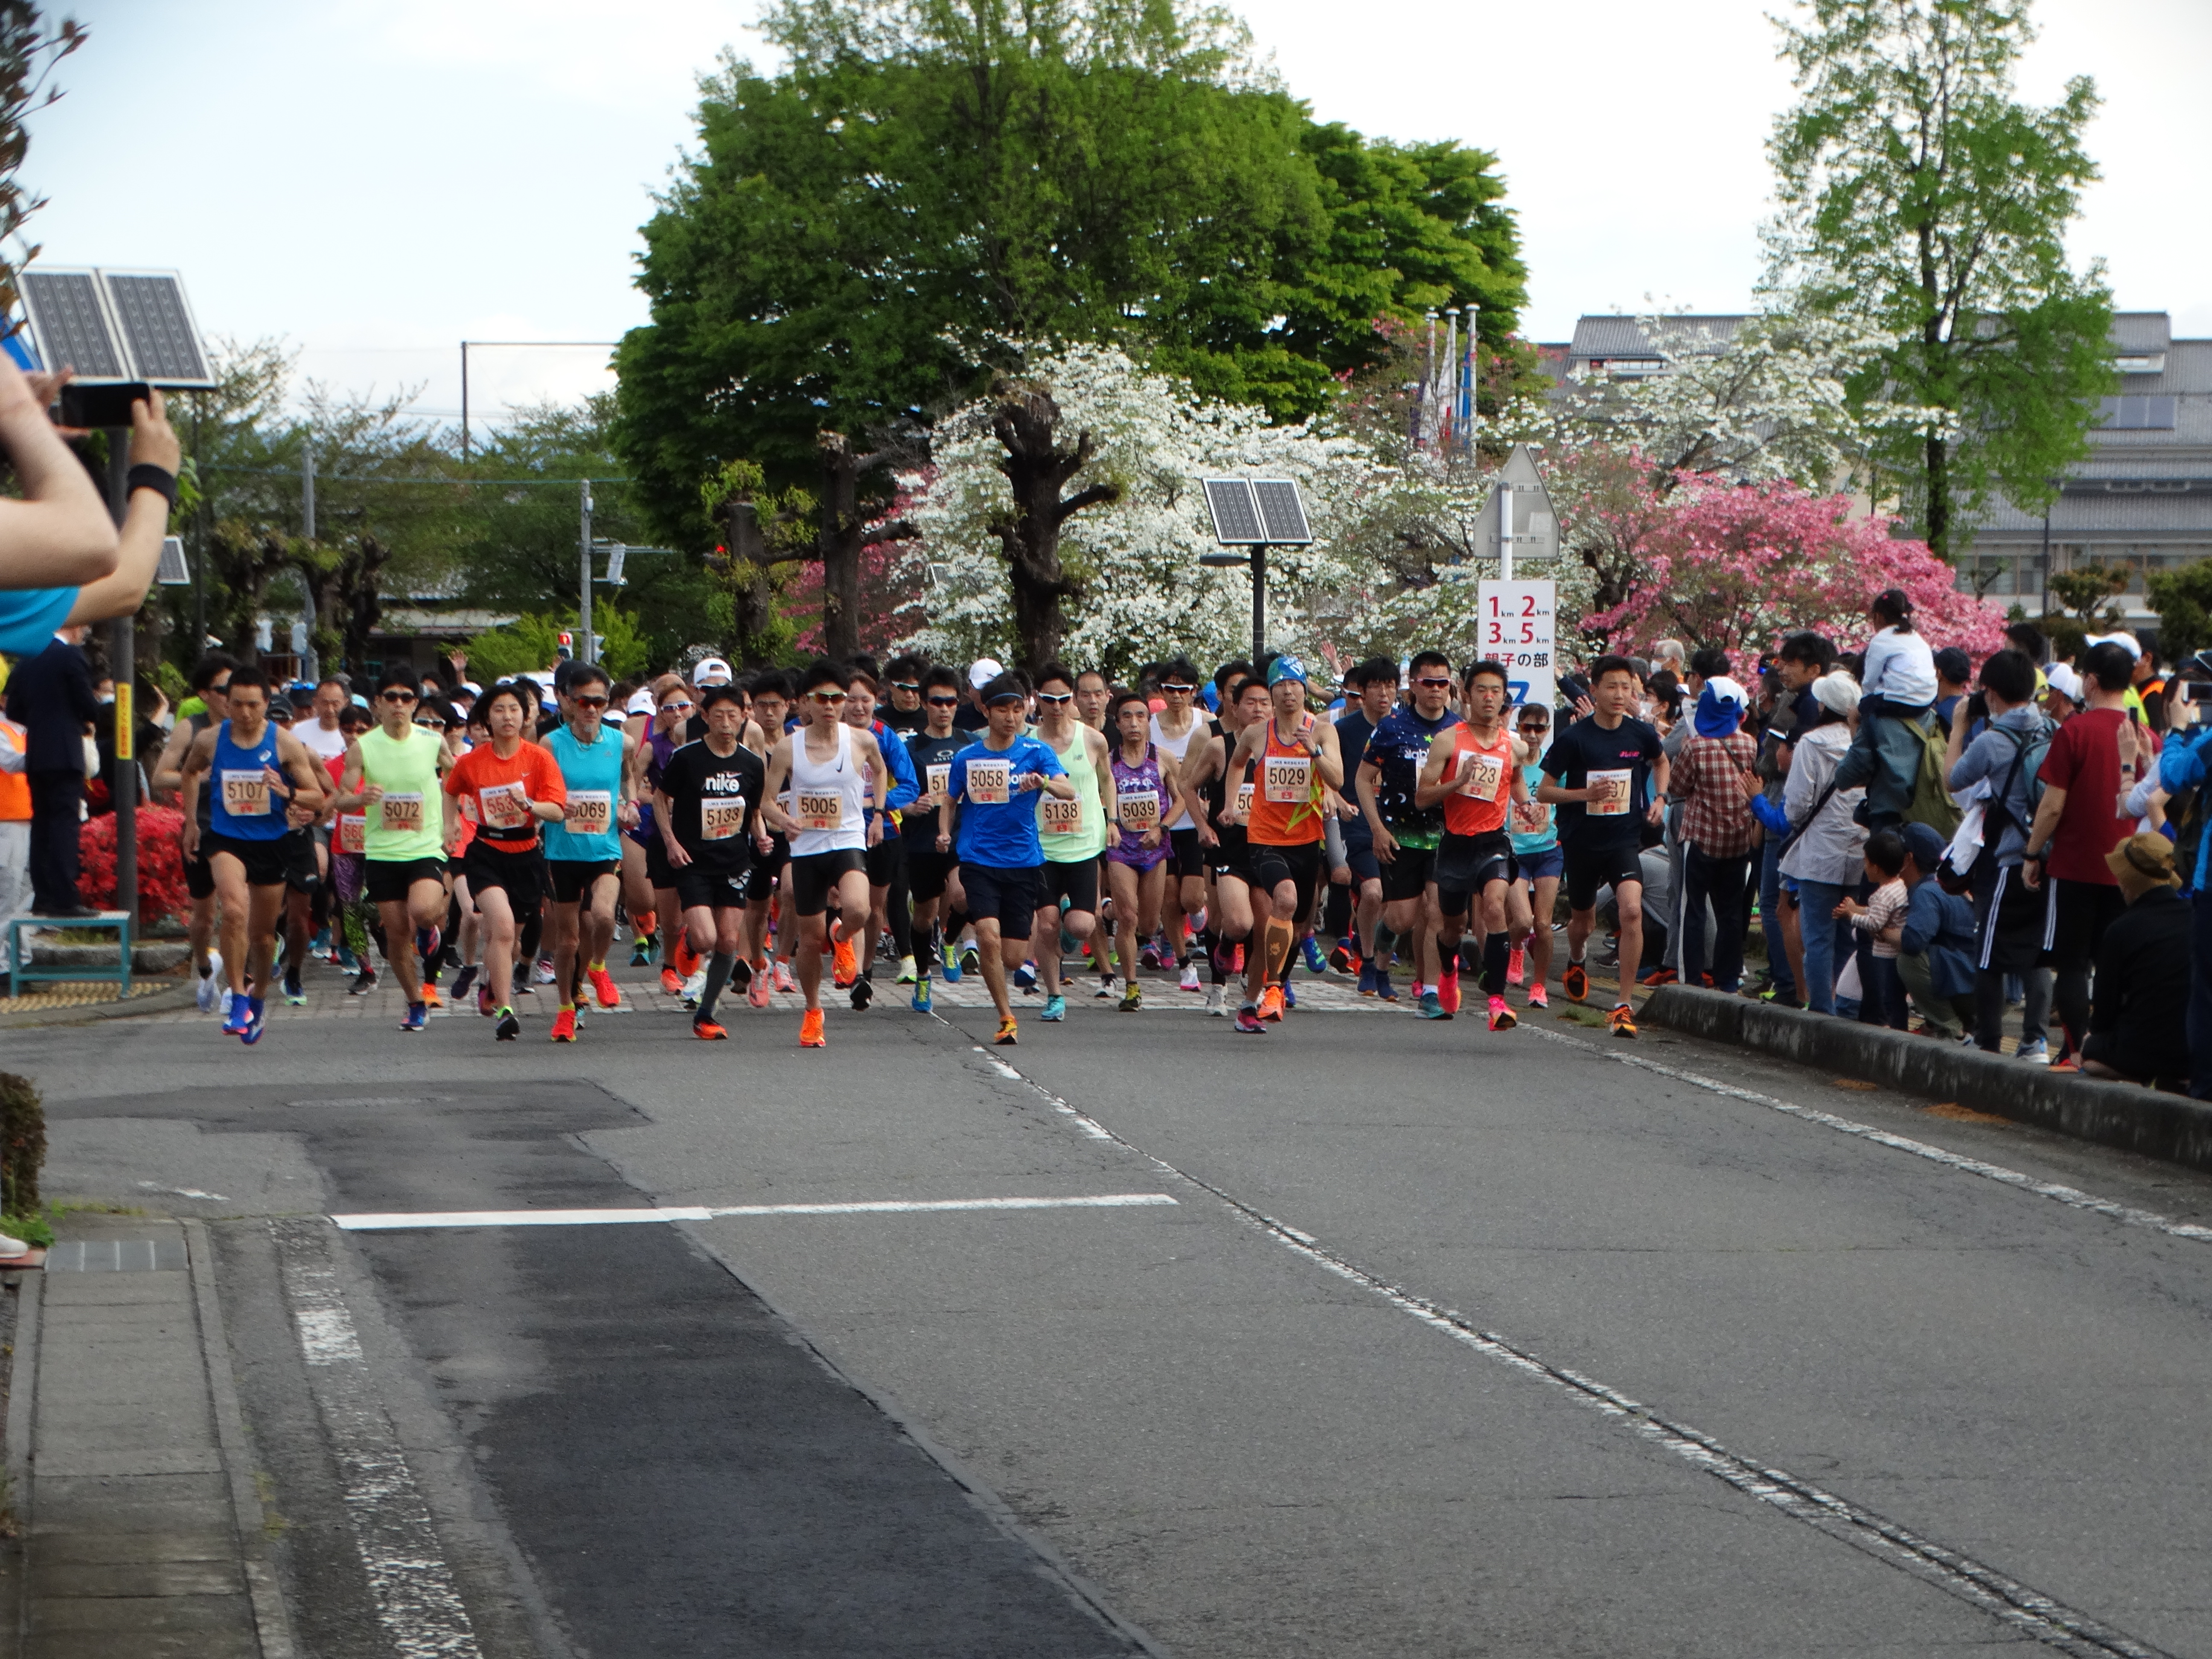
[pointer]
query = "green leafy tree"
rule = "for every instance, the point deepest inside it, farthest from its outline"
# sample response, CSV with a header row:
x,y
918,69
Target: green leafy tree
x,y
2088,591
1919,194
2183,599
30,47
531,643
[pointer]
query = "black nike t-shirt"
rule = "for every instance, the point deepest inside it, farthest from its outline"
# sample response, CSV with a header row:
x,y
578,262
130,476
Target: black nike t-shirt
x,y
1586,752
926,752
713,799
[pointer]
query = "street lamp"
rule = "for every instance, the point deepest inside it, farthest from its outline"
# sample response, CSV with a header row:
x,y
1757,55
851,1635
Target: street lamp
x,y
1251,515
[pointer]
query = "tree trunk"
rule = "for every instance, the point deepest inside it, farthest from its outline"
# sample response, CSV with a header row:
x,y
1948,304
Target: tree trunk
x,y
1938,508
1037,468
838,545
361,600
753,595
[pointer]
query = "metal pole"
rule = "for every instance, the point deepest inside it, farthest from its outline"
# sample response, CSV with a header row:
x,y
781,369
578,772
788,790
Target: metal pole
x,y
307,486
1504,531
2046,559
1472,364
199,543
1259,604
584,652
121,653
464,400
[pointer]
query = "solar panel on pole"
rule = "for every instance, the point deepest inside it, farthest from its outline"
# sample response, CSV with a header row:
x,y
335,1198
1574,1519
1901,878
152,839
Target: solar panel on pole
x,y
174,572
1236,515
157,325
112,325
1282,513
69,321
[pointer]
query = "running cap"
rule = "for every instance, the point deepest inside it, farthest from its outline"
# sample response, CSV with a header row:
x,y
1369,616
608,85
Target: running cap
x,y
2062,677
2127,642
1285,667
982,671
1720,706
711,671
640,702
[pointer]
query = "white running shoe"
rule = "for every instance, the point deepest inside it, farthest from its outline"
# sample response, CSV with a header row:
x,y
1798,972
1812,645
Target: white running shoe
x,y
1213,1003
210,989
693,988
1189,977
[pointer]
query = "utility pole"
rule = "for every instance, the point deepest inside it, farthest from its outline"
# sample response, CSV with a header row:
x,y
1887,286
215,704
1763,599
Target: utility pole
x,y
122,665
199,543
584,651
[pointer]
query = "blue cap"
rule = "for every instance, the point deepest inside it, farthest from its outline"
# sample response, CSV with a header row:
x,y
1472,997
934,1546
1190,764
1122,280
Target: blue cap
x,y
1926,843
1285,667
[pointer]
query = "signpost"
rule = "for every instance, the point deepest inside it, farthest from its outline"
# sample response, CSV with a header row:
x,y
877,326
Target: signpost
x,y
1518,620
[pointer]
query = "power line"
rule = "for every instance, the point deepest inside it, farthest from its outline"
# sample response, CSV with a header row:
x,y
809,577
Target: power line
x,y
341,477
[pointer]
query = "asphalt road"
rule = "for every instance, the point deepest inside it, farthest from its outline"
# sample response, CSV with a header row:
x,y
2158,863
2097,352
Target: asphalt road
x,y
1448,1343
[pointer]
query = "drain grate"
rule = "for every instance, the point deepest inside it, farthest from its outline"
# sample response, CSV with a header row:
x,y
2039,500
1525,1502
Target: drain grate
x,y
117,1255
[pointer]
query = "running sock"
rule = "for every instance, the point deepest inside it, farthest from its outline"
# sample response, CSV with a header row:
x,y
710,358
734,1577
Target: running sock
x,y
1385,942
600,966
1495,951
645,924
1281,936
955,925
718,975
1220,959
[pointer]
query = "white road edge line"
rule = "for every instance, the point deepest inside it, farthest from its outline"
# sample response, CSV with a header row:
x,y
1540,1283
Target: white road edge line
x,y
416,1600
2073,1197
398,1221
2026,1610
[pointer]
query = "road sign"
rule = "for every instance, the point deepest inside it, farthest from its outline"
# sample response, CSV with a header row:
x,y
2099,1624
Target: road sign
x,y
1517,627
1534,531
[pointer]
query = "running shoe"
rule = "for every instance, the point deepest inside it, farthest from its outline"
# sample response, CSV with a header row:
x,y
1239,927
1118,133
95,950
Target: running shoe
x,y
544,972
920,1001
1316,963
783,979
707,1031
294,993
427,940
2037,1053
256,1023
1290,995
1537,999
1367,979
969,962
1189,979
1271,1003
579,1012
1501,1017
1652,978
909,971
1133,998
484,1004
321,945
864,992
509,1028
1247,1020
1240,961
418,1015
1214,1005
564,1026
846,966
431,998
1433,1008
641,953
1623,1021
694,987
1055,1008
1576,982
1025,977
1383,989
757,993
1448,988
1006,1037
343,957
810,1030
671,982
236,1016
1105,989
1344,958
1516,965
463,980
363,982
603,988
950,952
211,991
1148,956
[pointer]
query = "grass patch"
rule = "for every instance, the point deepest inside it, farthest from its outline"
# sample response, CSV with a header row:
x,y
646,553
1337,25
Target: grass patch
x,y
31,1229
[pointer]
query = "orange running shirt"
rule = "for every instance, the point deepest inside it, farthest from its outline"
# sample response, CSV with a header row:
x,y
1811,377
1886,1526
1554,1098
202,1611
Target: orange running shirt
x,y
1485,772
1285,806
495,795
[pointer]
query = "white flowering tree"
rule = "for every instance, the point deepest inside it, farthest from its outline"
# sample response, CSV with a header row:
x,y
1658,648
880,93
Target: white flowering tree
x,y
1128,558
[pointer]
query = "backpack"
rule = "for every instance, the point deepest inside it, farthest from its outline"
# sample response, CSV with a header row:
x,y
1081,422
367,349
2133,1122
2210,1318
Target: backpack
x,y
2028,752
1931,802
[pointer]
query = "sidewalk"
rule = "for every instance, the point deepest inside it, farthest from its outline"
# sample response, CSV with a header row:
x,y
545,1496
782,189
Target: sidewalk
x,y
139,1533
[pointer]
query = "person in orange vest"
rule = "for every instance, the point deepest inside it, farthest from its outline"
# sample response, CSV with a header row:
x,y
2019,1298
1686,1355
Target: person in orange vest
x,y
14,832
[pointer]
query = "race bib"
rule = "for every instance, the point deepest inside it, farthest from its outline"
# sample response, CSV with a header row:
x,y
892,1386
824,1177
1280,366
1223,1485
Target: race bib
x,y
720,819
941,777
1480,774
1245,799
400,814
1289,779
505,806
1612,799
823,812
1530,817
1139,809
590,812
990,783
246,794
353,832
1059,818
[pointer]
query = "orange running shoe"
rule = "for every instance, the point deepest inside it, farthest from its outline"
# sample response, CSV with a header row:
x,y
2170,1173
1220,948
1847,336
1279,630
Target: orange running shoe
x,y
810,1030
848,965
564,1026
684,959
1501,1017
1007,1038
431,996
1575,981
1623,1021
605,988
707,1031
1271,1003
671,982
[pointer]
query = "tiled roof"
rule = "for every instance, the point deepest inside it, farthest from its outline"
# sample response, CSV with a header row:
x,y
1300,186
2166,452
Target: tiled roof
x,y
1606,338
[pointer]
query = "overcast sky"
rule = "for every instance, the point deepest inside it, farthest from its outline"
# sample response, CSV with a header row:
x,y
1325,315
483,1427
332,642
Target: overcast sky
x,y
375,180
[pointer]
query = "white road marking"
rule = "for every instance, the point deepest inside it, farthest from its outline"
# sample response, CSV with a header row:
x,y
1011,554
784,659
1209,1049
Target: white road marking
x,y
416,1600
2024,1609
183,1192
2073,1197
397,1221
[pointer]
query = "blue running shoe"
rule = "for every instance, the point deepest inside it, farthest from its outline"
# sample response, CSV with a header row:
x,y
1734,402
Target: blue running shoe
x,y
1383,989
418,1015
1025,977
1055,1008
238,1015
1314,962
921,996
1431,1006
254,1023
951,965
1289,996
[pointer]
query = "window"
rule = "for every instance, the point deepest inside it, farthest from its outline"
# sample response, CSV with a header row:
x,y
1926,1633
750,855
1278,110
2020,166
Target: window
x,y
2136,414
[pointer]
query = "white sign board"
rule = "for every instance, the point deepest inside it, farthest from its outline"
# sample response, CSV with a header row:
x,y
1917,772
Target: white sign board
x,y
1517,621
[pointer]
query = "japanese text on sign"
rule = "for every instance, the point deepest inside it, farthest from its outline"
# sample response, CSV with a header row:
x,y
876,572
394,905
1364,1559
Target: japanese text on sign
x,y
1517,624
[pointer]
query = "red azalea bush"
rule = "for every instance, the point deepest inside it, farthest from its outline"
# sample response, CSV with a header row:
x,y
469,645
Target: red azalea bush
x,y
162,893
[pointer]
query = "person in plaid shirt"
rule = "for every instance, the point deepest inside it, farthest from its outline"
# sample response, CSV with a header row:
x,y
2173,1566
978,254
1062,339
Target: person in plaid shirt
x,y
1718,832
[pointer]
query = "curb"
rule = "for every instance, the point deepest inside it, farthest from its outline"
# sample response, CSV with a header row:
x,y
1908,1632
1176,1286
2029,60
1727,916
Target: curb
x,y
161,1002
2171,1128
23,1404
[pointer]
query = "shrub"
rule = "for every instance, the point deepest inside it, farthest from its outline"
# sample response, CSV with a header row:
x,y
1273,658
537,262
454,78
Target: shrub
x,y
22,1144
161,891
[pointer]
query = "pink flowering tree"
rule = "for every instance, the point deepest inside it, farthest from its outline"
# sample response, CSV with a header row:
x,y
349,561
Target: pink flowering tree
x,y
1738,566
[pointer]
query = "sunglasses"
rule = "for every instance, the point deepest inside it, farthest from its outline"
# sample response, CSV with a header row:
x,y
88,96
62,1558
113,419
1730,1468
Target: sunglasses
x,y
678,702
589,703
1055,698
906,685
1435,685
399,696
830,699
944,703
1185,689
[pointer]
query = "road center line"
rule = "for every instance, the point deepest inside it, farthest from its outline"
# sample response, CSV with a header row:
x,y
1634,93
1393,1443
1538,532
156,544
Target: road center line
x,y
2073,1197
2026,1610
400,1220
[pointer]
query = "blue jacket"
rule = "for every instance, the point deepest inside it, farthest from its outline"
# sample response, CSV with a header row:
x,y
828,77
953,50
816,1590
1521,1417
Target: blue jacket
x,y
2182,765
905,787
1940,926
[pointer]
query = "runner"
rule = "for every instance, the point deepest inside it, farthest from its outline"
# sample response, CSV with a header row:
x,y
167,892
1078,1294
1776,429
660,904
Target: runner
x,y
1172,730
1207,777
504,789
707,802
889,908
211,685
771,713
392,775
1536,855
354,919
321,734
1596,772
1073,833
1146,794
599,768
264,785
1405,836
1297,763
303,870
833,773
1093,691
904,714
640,895
932,876
1474,772
990,817
672,704
1375,683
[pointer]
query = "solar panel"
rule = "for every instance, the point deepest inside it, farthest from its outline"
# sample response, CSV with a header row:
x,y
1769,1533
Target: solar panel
x,y
1282,511
72,324
1236,515
173,571
157,325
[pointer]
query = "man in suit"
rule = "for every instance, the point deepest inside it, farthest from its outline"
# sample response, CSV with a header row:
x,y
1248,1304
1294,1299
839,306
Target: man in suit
x,y
50,696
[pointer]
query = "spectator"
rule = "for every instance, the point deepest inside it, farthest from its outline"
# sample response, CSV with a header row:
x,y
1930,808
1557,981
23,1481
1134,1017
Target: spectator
x,y
1717,833
2182,768
14,830
1898,688
1881,923
1803,659
2002,764
1824,849
1954,668
57,537
50,696
2091,766
2138,1024
1934,948
2063,696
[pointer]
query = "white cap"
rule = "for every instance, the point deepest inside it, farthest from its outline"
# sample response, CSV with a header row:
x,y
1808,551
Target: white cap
x,y
982,671
472,688
2127,642
2064,678
640,702
711,671
1838,692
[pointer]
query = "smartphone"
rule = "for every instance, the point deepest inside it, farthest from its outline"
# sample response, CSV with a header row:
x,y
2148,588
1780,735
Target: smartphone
x,y
103,404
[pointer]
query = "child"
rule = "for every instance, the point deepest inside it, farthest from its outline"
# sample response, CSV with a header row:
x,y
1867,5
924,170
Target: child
x,y
1879,922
